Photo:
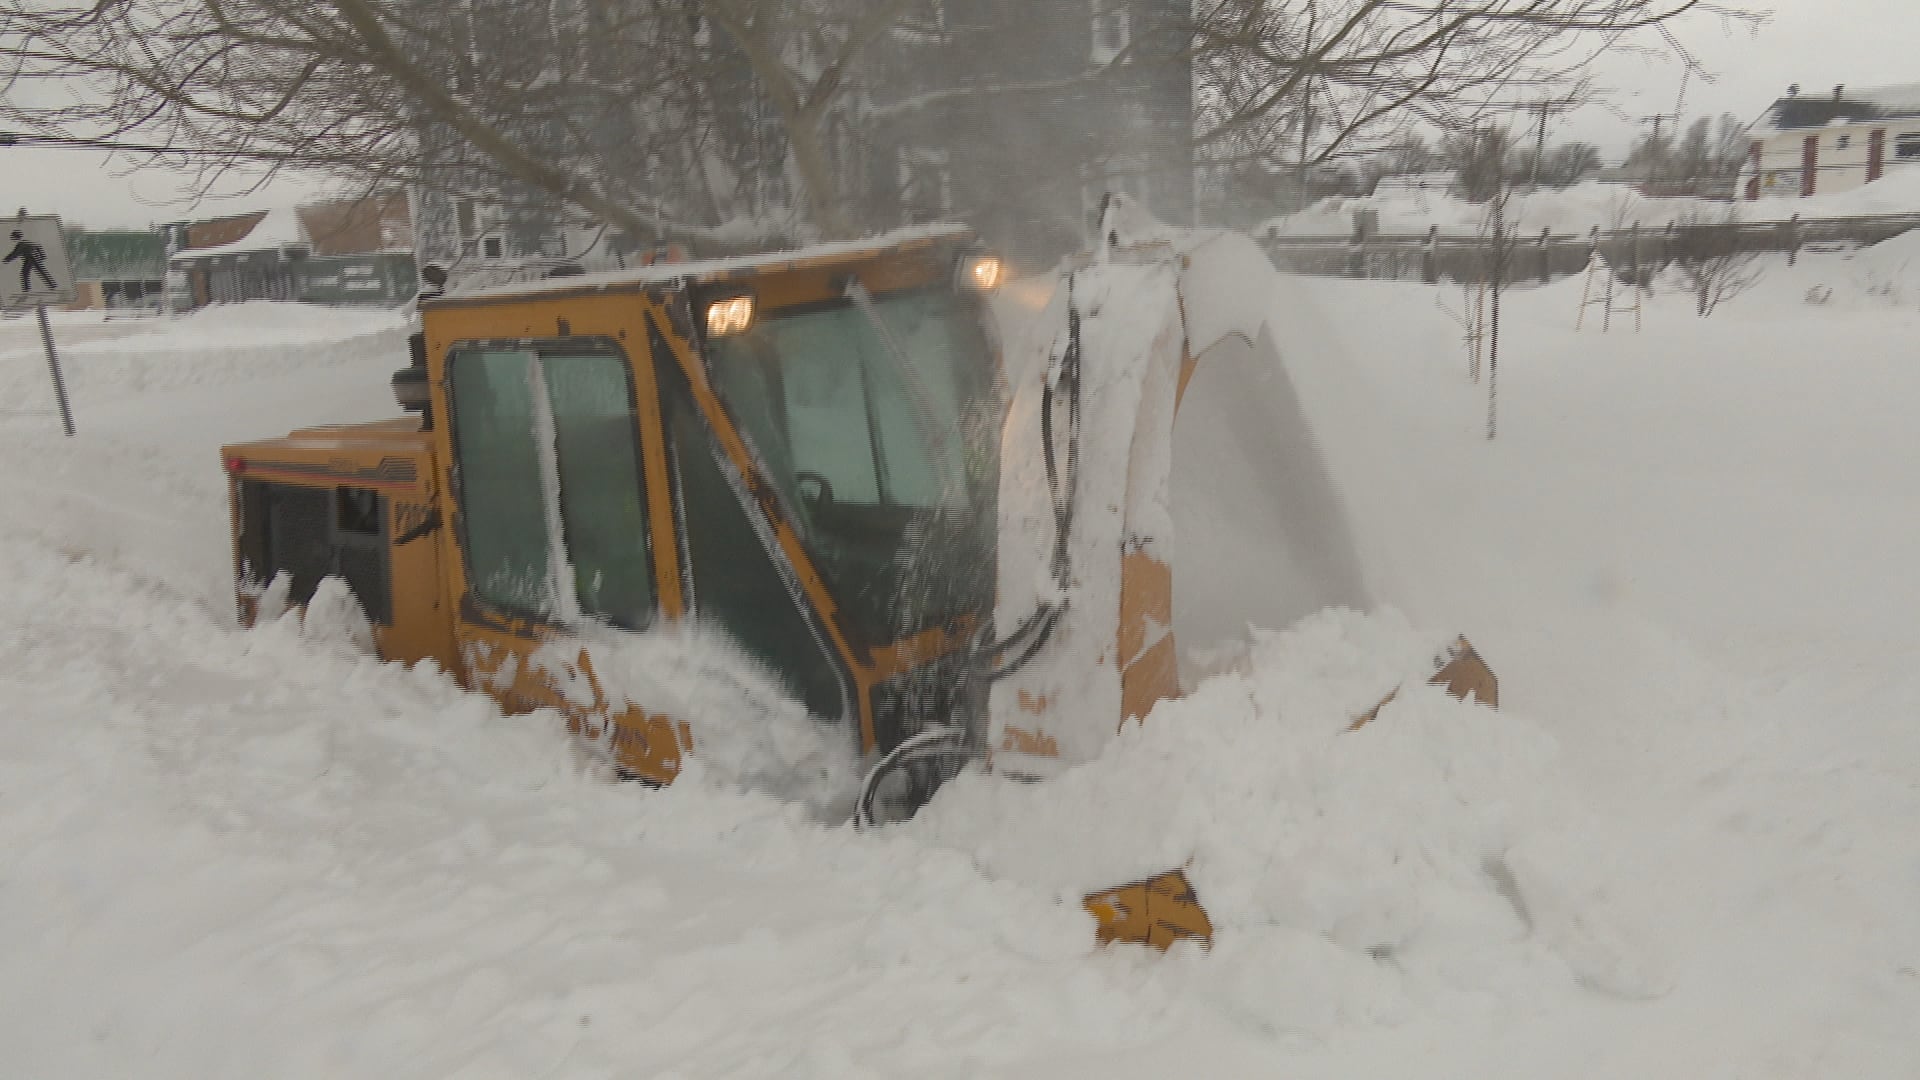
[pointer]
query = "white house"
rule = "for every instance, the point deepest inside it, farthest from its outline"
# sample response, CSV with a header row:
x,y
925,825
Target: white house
x,y
1808,145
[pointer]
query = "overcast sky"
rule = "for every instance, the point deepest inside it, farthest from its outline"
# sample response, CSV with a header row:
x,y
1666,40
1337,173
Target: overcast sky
x,y
1816,43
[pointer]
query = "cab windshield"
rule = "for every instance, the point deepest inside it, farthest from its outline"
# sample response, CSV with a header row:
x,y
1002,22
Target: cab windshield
x,y
875,417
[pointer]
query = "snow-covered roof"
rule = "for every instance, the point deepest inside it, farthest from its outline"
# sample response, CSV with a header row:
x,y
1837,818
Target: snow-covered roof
x,y
1850,106
709,268
280,228
1901,100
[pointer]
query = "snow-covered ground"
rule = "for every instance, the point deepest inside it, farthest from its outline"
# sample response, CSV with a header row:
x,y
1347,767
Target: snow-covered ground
x,y
1688,846
1577,209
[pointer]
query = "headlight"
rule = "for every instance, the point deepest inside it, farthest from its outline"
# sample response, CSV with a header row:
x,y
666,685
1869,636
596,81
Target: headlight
x,y
982,272
728,317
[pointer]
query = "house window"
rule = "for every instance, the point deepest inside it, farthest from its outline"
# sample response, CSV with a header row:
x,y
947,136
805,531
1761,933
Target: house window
x,y
926,15
1907,146
1110,30
1843,142
492,247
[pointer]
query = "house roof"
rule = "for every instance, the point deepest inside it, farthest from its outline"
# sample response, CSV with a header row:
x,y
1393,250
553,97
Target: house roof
x,y
1901,100
338,227
380,222
220,231
271,231
1849,106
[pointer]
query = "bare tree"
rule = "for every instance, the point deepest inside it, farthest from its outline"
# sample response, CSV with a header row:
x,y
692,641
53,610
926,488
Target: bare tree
x,y
1565,164
1346,75
804,53
618,109
1704,150
1479,160
671,118
1710,261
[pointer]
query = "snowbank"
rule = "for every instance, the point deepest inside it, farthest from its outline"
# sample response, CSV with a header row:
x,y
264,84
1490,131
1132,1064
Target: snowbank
x,y
1890,270
747,729
214,345
1438,830
1898,192
1578,209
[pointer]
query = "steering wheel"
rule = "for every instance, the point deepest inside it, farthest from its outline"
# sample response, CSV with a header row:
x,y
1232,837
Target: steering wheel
x,y
814,490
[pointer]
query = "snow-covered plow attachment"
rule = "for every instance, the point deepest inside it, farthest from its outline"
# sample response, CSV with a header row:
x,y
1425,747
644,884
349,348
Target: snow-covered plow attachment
x,y
1161,492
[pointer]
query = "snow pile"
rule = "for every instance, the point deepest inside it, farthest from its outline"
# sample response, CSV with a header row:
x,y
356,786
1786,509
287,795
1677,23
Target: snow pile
x,y
1890,270
212,346
747,730
1898,192
1439,832
332,617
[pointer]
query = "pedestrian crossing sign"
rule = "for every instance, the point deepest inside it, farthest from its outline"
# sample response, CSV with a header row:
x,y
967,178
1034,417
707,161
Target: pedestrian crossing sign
x,y
36,271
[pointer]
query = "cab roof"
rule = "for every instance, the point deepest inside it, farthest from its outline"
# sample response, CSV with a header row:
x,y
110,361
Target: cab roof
x,y
710,271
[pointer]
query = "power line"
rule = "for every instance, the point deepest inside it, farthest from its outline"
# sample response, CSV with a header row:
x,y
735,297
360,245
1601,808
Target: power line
x,y
76,142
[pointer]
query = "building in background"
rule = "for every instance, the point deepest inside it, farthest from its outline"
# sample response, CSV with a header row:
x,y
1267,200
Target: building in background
x,y
118,269
1014,116
344,251
1034,111
1826,144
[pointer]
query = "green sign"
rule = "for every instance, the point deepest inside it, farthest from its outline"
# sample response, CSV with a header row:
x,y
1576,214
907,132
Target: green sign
x,y
117,255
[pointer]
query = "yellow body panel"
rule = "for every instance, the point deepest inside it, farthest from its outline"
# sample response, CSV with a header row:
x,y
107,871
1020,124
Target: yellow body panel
x,y
393,458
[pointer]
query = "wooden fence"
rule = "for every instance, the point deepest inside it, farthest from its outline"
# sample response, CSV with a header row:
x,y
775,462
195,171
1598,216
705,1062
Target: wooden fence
x,y
1635,253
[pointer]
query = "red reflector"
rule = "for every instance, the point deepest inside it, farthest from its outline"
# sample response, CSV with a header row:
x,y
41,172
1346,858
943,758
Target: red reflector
x,y
236,465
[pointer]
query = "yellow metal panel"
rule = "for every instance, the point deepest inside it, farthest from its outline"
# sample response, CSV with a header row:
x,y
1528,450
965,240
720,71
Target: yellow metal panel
x,y
393,458
1157,911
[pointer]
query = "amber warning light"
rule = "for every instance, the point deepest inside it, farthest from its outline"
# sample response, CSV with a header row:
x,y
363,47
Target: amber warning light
x,y
730,316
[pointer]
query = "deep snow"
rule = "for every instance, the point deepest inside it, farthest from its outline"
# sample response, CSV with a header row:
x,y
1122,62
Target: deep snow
x,y
1689,845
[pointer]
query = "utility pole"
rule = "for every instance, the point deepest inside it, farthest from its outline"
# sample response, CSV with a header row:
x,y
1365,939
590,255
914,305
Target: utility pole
x,y
1306,137
1655,151
1540,144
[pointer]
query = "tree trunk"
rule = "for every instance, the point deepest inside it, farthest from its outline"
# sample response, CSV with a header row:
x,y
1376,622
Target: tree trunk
x,y
816,174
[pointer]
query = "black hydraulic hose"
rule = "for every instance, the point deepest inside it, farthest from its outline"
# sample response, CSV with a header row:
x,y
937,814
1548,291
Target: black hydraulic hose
x,y
1037,628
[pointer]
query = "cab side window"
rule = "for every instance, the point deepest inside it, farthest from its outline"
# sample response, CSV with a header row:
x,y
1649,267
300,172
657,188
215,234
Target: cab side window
x,y
734,580
548,469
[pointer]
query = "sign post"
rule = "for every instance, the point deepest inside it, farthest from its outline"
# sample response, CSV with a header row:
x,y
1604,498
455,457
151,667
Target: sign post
x,y
35,272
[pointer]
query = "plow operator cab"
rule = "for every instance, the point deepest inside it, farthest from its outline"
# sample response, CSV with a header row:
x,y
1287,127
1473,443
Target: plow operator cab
x,y
797,449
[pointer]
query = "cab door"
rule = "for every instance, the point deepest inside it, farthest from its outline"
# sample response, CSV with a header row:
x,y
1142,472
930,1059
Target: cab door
x,y
558,484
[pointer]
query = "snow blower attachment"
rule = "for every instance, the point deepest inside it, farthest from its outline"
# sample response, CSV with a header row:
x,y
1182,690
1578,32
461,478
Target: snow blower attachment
x,y
1208,510
810,458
